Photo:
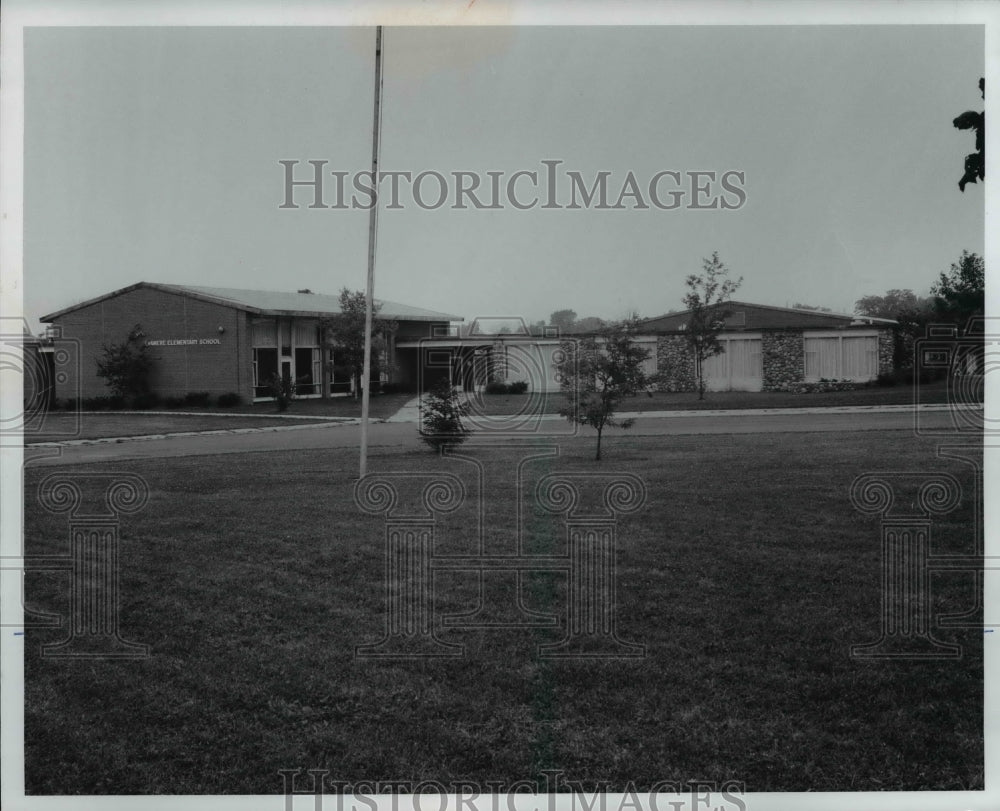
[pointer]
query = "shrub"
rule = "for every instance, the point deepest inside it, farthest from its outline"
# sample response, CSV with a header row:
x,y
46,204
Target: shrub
x,y
518,387
142,402
897,377
197,398
282,389
229,399
496,387
103,403
173,401
126,366
932,375
441,423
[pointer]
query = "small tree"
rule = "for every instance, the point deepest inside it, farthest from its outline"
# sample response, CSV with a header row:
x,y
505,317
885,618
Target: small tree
x,y
441,418
346,333
597,373
706,297
282,389
126,366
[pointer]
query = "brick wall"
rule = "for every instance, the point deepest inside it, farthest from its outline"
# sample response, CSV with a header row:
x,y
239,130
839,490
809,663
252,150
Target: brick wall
x,y
782,358
675,364
215,368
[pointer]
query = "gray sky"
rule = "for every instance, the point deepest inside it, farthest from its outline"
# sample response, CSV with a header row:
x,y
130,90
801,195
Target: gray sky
x,y
151,154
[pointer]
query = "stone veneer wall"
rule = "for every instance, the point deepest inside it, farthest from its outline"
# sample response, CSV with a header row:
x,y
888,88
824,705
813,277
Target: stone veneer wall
x,y
887,351
674,364
783,359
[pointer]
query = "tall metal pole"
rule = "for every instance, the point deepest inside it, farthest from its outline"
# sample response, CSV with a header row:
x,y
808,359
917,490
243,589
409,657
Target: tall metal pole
x,y
372,223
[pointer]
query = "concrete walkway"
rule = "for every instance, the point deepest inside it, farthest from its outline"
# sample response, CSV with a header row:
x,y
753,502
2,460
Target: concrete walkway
x,y
408,413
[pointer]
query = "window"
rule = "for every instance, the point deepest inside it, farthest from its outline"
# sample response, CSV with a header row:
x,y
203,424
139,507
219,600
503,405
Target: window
x,y
841,357
265,366
306,370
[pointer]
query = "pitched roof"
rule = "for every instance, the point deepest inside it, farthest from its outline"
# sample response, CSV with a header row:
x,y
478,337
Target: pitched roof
x,y
268,302
806,314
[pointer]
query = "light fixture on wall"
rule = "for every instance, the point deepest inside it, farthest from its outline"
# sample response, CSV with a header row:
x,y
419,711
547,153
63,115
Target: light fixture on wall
x,y
221,330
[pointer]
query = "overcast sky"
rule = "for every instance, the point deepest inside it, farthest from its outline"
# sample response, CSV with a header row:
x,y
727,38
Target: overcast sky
x,y
152,154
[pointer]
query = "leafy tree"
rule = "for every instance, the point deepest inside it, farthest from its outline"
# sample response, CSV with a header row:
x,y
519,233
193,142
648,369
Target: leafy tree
x,y
911,312
597,373
975,162
564,319
891,304
960,293
441,418
127,366
589,324
707,294
345,332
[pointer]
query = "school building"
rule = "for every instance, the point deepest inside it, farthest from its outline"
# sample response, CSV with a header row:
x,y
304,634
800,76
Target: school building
x,y
220,340
768,348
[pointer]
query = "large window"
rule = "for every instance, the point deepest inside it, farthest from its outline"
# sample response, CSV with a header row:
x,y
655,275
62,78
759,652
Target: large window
x,y
739,367
265,367
841,357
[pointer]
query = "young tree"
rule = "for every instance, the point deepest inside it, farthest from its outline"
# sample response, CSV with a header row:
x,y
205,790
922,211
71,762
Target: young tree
x,y
706,297
441,417
597,373
960,293
126,366
346,334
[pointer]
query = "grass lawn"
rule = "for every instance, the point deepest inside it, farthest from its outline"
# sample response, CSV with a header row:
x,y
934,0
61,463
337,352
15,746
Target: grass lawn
x,y
747,575
59,427
500,404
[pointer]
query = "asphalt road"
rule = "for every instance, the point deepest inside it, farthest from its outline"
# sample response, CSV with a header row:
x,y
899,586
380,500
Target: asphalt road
x,y
404,435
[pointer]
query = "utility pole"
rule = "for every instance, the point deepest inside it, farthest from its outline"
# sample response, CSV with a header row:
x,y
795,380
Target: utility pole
x,y
372,223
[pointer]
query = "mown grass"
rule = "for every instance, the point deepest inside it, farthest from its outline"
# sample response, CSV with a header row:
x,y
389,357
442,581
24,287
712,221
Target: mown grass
x,y
59,427
501,404
747,575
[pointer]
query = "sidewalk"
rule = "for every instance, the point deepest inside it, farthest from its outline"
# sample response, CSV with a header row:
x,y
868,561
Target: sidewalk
x,y
410,413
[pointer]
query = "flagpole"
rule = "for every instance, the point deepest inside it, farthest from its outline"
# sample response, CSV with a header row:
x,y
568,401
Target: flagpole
x,y
372,223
